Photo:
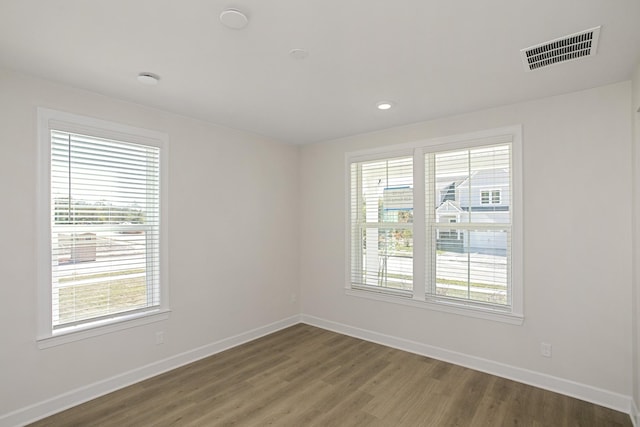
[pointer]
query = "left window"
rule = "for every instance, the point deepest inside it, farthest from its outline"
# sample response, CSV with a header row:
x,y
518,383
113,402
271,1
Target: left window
x,y
102,221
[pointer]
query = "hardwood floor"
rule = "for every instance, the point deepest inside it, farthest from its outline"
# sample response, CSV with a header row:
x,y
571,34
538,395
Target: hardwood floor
x,y
306,376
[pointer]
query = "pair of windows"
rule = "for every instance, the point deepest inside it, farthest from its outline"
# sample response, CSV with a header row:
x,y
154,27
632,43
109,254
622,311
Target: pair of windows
x,y
102,225
420,227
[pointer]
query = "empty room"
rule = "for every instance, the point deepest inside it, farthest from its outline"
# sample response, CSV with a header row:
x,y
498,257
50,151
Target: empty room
x,y
320,213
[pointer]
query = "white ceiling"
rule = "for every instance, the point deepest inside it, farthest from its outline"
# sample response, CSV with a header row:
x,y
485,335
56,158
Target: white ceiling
x,y
433,58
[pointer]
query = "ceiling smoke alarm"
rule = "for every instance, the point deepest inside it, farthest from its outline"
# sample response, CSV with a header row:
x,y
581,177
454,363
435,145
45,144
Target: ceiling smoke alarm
x,y
234,19
148,79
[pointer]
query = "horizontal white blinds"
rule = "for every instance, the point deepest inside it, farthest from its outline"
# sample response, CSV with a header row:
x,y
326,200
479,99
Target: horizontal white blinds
x,y
382,224
468,204
105,221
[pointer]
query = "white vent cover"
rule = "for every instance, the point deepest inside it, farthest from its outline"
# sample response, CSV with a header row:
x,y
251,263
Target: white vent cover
x,y
563,49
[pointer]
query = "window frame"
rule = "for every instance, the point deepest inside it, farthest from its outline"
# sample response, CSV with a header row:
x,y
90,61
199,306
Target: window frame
x,y
47,120
512,314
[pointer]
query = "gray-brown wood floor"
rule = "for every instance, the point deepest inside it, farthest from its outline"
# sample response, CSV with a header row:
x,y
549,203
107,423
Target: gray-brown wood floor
x,y
306,376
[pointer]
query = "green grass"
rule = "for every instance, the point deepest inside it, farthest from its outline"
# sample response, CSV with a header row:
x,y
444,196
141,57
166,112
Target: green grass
x,y
472,284
102,298
75,277
470,294
467,293
399,276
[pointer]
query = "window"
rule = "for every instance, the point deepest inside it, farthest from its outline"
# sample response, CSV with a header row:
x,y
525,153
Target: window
x,y
421,230
490,197
102,218
382,213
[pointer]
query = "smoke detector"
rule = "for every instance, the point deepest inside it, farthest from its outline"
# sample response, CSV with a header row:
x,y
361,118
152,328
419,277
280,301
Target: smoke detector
x,y
234,19
567,48
148,79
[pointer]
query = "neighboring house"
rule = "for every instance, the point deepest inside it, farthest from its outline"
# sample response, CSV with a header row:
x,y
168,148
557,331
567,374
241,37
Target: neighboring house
x,y
481,197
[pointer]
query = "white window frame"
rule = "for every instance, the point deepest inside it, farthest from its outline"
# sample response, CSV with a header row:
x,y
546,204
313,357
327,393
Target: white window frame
x,y
48,120
512,314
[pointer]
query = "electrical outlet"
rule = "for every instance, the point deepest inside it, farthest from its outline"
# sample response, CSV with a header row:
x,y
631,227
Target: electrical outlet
x,y
293,298
159,338
545,349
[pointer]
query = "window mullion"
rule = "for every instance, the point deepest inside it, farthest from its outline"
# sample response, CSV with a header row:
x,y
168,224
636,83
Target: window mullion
x,y
419,230
429,260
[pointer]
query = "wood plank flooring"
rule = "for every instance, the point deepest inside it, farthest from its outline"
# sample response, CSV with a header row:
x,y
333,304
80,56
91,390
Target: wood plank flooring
x,y
306,376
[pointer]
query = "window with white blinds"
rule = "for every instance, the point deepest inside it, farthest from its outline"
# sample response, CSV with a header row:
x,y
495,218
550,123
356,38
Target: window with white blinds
x,y
440,224
382,224
470,241
104,233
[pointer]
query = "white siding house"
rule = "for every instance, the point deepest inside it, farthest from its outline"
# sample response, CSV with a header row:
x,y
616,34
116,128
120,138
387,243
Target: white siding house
x,y
481,197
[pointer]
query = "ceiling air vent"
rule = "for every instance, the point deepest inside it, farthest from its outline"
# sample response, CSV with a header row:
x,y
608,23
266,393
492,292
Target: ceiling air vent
x,y
564,49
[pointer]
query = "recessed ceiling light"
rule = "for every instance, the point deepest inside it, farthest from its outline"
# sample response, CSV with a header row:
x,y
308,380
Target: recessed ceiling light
x,y
298,53
148,79
234,19
385,105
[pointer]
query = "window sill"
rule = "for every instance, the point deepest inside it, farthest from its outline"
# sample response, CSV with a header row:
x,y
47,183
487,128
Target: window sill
x,y
77,333
447,307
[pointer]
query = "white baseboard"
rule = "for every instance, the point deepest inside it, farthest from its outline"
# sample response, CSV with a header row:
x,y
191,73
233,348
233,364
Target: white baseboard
x,y
75,397
584,392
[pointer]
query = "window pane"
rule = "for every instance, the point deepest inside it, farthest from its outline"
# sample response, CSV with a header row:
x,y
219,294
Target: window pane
x,y
472,265
484,197
474,185
388,255
100,274
495,197
472,189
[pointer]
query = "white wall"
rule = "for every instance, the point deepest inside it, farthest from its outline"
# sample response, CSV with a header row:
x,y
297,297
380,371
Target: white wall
x,y
577,243
233,233
635,111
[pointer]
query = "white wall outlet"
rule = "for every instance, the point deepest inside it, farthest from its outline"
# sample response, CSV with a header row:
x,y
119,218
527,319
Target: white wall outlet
x,y
293,298
159,338
545,349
